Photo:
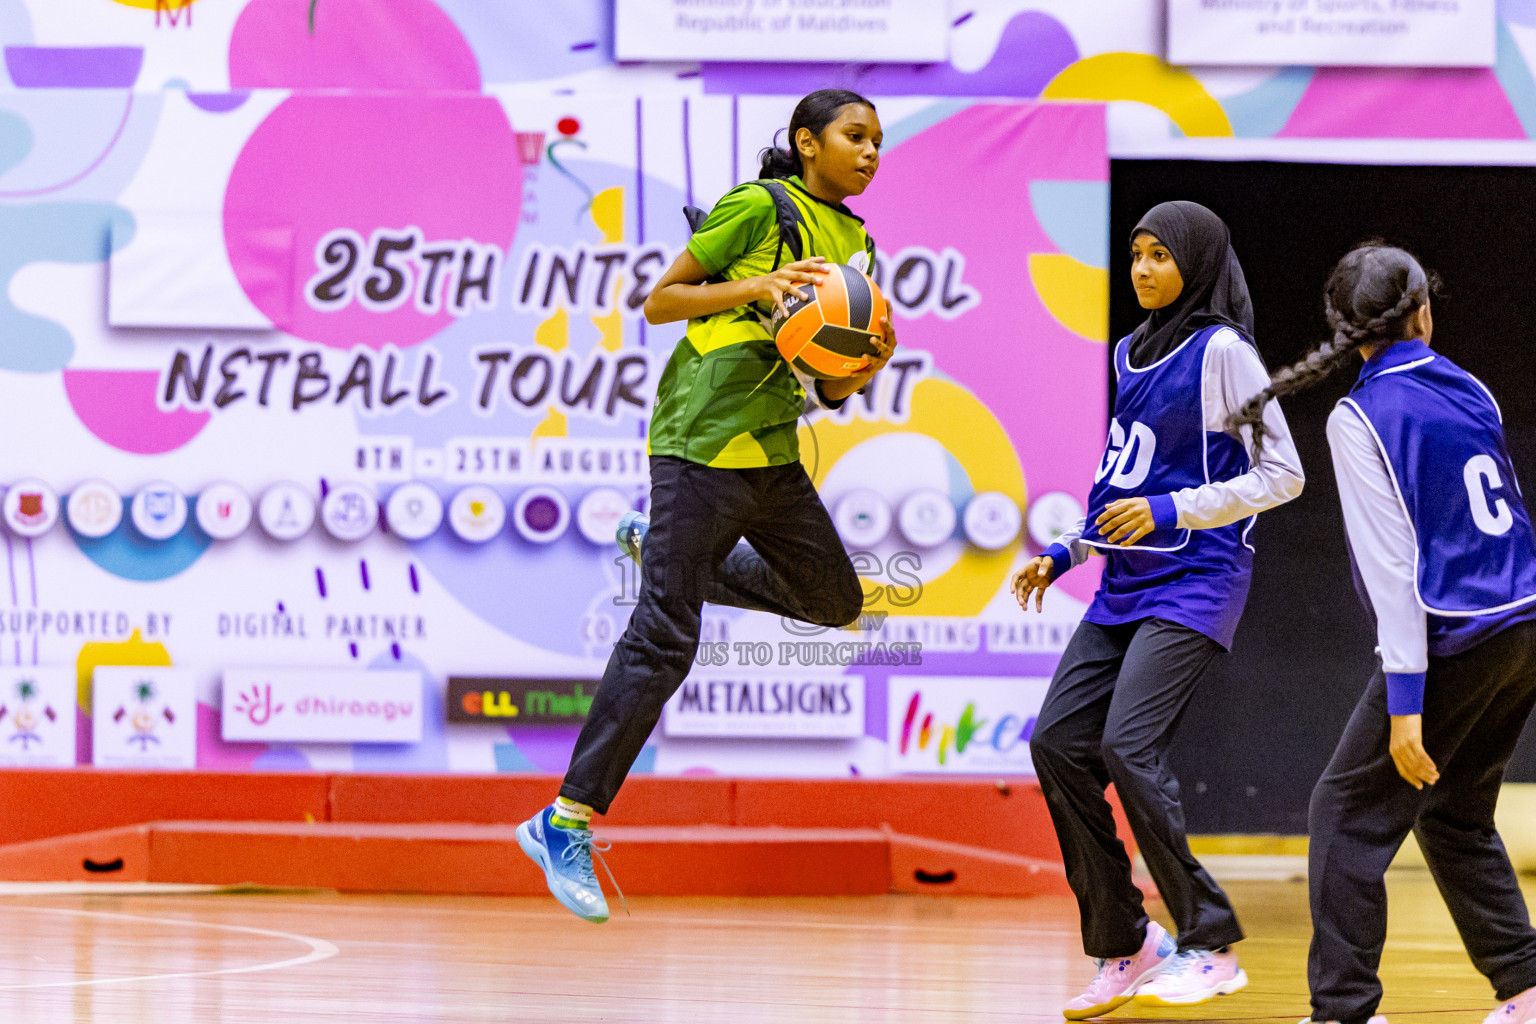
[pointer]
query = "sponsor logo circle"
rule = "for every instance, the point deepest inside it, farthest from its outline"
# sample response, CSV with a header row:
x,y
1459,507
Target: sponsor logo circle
x,y
158,510
992,521
927,518
223,510
286,511
477,513
598,514
1051,515
541,515
862,518
414,511
31,508
349,512
94,509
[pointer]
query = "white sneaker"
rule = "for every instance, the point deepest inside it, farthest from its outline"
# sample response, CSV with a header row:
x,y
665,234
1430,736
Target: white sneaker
x,y
1378,1019
1194,977
1519,1010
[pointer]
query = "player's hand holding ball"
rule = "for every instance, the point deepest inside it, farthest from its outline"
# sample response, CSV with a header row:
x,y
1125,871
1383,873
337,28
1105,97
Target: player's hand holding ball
x,y
1034,578
778,285
884,347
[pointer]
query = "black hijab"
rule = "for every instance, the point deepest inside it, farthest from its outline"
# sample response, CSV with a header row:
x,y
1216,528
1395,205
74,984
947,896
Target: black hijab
x,y
1214,289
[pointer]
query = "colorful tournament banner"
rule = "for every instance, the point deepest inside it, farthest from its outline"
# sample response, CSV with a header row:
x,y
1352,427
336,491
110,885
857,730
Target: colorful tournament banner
x,y
354,376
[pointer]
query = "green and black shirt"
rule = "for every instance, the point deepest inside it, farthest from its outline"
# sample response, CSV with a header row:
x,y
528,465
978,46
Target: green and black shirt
x,y
726,398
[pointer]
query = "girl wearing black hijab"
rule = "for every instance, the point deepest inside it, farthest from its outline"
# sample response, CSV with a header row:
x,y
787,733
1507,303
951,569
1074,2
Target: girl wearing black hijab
x,y
1172,504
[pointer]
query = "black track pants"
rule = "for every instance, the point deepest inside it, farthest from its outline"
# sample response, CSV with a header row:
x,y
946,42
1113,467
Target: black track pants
x,y
1109,716
1475,706
792,565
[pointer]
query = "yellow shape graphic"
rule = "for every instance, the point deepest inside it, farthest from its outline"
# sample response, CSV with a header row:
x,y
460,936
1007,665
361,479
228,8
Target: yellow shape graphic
x,y
555,332
553,425
168,6
608,214
611,327
1075,293
952,416
133,651
1145,79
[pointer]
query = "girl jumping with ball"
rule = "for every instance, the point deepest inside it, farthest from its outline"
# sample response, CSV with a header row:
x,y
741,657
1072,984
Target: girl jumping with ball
x,y
725,459
1445,556
1170,509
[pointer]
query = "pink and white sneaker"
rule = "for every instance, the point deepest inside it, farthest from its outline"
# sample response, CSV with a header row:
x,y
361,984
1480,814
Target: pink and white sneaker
x,y
1519,1010
1194,977
1118,980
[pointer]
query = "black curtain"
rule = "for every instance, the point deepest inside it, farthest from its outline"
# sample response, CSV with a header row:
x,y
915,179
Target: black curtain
x,y
1261,729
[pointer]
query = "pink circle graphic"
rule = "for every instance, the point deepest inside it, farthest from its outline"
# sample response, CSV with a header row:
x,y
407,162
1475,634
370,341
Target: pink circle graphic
x,y
441,169
349,44
118,406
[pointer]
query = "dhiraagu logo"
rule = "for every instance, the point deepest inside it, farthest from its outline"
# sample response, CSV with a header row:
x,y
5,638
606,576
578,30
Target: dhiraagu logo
x,y
962,724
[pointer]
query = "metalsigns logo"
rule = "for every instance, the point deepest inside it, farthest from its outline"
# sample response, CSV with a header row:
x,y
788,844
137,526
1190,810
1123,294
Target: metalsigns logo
x,y
503,701
767,707
962,724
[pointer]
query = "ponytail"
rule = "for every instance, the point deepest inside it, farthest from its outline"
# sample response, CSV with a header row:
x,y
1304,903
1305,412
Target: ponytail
x,y
1369,299
814,112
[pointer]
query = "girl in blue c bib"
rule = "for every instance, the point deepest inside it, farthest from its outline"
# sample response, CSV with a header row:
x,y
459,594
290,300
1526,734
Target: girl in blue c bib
x,y
1445,556
1171,507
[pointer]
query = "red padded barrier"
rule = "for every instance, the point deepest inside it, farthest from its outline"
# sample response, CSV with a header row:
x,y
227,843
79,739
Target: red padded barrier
x,y
458,858
110,855
452,833
509,799
38,803
936,867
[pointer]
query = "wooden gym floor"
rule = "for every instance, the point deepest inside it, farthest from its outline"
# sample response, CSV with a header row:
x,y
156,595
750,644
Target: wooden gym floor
x,y
321,957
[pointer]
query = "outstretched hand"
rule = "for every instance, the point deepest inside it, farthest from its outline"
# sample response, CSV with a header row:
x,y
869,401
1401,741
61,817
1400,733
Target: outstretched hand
x,y
1034,578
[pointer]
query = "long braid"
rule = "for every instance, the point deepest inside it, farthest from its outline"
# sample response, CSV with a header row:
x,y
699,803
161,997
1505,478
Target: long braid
x,y
1352,277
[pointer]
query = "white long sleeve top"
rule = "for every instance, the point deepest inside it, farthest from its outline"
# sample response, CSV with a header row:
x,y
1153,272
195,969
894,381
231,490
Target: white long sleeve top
x,y
1382,541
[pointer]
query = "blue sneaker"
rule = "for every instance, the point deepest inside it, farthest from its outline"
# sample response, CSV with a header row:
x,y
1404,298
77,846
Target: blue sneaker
x,y
631,533
566,857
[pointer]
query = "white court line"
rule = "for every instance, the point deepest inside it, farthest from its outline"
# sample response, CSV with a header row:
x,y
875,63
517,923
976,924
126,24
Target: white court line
x,y
319,949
